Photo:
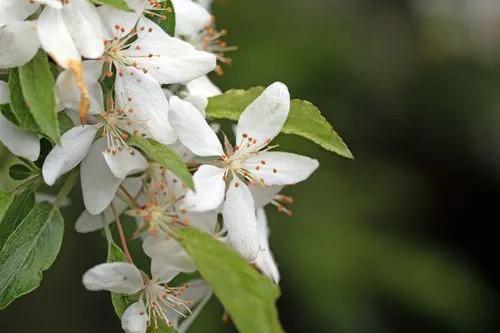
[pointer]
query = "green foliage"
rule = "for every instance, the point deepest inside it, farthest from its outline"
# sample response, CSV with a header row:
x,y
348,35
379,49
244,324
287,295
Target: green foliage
x,y
120,4
161,154
65,122
248,296
165,17
5,201
304,118
29,250
20,172
37,86
15,214
18,105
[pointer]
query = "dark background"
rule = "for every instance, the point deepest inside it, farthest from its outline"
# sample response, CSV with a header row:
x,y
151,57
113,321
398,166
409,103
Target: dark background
x,y
402,239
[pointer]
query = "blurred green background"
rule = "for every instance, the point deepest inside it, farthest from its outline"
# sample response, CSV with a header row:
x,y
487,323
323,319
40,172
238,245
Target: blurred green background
x,y
402,238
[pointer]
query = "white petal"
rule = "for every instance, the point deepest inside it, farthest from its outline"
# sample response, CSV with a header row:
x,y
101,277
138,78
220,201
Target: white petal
x,y
135,318
85,27
165,268
203,86
69,94
55,38
210,186
125,162
112,17
4,93
240,221
87,222
142,93
265,261
74,146
193,130
19,141
206,221
99,185
190,17
15,10
173,60
281,168
117,277
263,195
18,44
264,118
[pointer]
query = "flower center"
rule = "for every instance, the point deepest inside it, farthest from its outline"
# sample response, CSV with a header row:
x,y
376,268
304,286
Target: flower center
x,y
235,159
210,40
160,299
161,212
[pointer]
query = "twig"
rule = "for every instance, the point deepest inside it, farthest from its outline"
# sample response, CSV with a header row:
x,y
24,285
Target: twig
x,y
123,240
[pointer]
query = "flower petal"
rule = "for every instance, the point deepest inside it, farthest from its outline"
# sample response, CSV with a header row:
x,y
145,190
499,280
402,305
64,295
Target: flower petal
x,y
263,195
206,221
142,94
240,221
193,130
125,162
85,27
135,319
15,10
117,277
190,17
173,60
263,119
69,94
210,186
87,222
74,146
19,141
55,38
18,44
265,261
99,185
279,168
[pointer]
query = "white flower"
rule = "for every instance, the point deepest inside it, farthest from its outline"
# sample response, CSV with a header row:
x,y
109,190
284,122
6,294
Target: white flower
x,y
249,163
157,302
143,45
69,30
18,43
19,141
103,169
159,212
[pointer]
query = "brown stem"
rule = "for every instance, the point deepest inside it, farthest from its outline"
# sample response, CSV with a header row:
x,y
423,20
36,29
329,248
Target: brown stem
x,y
123,240
130,197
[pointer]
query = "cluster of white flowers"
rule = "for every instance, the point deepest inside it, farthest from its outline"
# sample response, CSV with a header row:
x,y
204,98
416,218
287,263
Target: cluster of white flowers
x,y
160,92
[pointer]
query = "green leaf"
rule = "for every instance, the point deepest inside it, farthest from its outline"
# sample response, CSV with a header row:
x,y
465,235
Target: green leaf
x,y
20,207
8,113
5,201
38,89
19,172
164,17
304,118
30,249
248,296
161,154
120,4
17,103
120,301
